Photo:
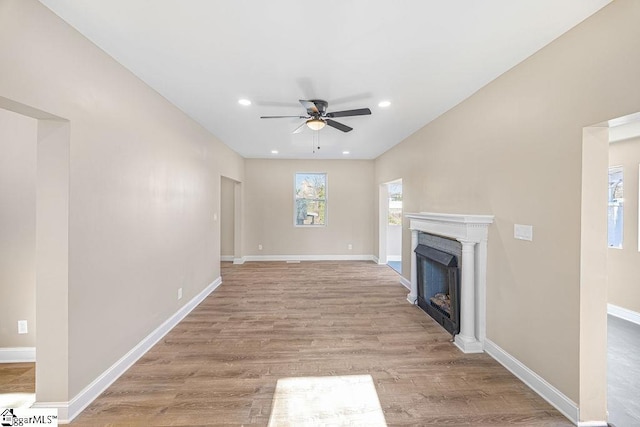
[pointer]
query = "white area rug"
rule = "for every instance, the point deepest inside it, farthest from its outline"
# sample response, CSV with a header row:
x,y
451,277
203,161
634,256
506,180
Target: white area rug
x,y
326,401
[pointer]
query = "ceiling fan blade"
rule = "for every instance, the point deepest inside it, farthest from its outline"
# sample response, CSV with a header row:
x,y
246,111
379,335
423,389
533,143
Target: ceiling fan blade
x,y
338,125
300,128
284,117
309,106
346,113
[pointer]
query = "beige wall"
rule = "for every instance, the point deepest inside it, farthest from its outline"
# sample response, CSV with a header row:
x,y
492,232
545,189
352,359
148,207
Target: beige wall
x,y
18,136
592,352
227,216
514,150
269,221
144,185
624,264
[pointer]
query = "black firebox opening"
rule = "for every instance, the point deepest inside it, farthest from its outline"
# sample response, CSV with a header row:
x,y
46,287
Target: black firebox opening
x,y
439,286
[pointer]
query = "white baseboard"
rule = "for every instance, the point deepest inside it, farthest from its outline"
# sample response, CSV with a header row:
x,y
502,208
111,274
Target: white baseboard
x,y
406,283
67,411
17,354
375,259
538,384
592,424
394,257
240,260
624,313
226,258
308,258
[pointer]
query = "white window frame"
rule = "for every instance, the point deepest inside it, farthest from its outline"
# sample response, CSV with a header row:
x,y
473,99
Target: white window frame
x,y
326,200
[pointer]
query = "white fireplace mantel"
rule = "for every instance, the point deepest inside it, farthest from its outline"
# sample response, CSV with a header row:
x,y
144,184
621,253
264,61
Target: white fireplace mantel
x,y
472,232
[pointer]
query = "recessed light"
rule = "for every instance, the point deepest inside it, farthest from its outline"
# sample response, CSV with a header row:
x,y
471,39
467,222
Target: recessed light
x,y
384,104
244,102
274,151
345,152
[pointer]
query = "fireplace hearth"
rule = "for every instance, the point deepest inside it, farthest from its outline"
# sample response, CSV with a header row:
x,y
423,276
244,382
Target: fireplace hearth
x,y
439,286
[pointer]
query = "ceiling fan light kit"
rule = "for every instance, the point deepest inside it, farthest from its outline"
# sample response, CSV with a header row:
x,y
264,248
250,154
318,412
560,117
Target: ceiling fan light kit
x,y
315,124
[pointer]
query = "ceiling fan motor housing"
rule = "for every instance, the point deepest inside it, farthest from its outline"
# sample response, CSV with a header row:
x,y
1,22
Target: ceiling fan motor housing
x,y
321,105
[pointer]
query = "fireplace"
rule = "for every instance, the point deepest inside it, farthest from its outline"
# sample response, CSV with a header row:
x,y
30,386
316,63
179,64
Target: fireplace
x,y
439,286
469,235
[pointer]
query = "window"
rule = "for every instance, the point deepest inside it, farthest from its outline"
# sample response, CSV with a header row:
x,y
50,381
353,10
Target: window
x,y
310,199
616,208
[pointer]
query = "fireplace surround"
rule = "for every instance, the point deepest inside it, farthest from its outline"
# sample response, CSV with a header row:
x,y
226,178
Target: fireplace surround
x,y
472,233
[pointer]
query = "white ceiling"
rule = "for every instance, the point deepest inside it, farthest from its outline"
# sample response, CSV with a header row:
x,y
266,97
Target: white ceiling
x,y
425,56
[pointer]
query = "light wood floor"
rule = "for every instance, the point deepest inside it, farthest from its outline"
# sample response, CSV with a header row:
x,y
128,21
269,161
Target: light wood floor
x,y
17,378
274,320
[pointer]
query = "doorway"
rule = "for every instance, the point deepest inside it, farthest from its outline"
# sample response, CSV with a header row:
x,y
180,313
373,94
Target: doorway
x,y
623,268
51,253
597,283
230,220
227,219
390,245
18,144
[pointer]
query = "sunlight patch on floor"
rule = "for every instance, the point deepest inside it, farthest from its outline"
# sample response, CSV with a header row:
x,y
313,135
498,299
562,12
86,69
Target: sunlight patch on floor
x,y
337,401
17,400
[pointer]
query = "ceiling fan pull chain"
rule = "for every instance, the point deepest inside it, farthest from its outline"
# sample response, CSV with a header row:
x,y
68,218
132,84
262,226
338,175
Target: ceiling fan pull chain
x,y
315,141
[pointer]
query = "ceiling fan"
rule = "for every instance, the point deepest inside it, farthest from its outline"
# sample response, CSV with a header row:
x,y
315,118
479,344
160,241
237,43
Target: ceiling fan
x,y
317,116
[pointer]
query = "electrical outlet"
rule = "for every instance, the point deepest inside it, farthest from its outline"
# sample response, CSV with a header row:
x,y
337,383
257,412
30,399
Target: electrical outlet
x,y
259,247
23,327
349,246
179,293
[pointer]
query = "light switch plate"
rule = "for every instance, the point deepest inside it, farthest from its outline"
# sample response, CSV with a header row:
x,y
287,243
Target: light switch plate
x,y
523,232
22,327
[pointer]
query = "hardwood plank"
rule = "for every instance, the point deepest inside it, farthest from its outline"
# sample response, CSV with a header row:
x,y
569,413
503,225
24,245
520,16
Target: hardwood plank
x,y
272,320
17,377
